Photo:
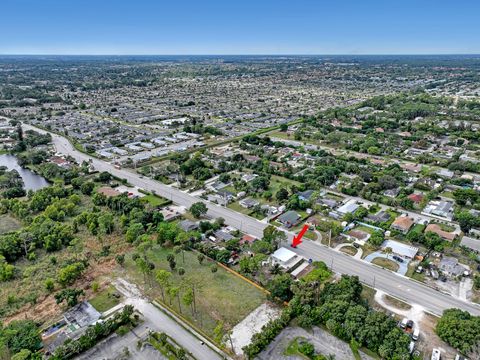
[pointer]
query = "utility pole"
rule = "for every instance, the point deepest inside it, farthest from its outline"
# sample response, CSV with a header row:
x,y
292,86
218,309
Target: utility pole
x,y
330,238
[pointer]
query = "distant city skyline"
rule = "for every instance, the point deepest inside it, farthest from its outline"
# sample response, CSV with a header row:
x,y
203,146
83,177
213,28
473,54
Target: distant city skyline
x,y
264,27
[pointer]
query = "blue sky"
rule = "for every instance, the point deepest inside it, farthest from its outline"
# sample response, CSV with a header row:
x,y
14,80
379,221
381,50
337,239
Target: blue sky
x,y
239,27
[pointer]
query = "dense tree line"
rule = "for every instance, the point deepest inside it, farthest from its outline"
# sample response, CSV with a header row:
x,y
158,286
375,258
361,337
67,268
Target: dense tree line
x,y
11,184
20,339
339,307
459,329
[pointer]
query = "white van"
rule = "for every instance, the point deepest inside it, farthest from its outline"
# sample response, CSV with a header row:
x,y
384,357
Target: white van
x,y
416,334
436,354
403,324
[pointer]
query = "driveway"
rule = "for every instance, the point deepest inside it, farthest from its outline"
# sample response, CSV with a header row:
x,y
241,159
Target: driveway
x,y
402,267
358,254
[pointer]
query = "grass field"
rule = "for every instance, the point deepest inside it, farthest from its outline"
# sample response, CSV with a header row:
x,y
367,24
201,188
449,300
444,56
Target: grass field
x,y
220,296
278,182
104,300
8,223
386,263
350,250
239,208
155,200
396,303
366,229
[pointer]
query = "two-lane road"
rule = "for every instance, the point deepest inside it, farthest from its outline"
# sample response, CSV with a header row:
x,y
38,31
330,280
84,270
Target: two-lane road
x,y
389,282
412,292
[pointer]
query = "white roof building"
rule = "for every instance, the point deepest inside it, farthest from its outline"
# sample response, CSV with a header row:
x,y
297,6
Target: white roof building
x,y
286,258
349,207
401,249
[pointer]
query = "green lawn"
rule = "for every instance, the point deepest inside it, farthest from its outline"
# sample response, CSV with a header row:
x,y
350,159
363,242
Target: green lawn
x,y
286,136
239,208
447,194
393,216
386,263
220,296
8,223
366,229
350,250
104,300
334,196
293,348
278,182
418,228
446,227
155,200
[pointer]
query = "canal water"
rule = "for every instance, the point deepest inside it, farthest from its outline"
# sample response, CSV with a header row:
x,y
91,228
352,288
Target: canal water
x,y
31,180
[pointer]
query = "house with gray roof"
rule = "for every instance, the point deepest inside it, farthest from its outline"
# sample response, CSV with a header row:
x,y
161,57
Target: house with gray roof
x,y
380,217
187,225
451,267
305,195
221,235
289,219
248,203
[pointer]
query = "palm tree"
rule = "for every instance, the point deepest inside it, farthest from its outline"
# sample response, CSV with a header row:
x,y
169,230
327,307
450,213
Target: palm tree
x,y
275,269
387,251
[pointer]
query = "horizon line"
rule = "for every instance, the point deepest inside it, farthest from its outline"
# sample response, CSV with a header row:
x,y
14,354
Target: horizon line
x,y
253,54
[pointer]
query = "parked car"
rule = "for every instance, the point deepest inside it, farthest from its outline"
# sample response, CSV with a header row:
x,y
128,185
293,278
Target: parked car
x,y
398,258
403,323
416,334
410,324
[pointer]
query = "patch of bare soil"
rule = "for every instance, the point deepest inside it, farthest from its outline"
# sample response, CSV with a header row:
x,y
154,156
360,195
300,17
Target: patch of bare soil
x,y
424,321
46,309
430,340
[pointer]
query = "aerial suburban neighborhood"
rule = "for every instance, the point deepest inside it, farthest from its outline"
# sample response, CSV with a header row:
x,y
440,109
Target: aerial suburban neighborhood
x,y
272,207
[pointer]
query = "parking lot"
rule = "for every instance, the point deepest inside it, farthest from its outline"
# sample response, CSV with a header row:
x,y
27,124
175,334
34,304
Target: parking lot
x,y
324,343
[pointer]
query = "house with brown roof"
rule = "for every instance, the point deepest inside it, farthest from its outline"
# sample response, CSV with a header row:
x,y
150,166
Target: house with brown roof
x,y
445,235
247,239
416,198
402,224
312,222
416,168
59,161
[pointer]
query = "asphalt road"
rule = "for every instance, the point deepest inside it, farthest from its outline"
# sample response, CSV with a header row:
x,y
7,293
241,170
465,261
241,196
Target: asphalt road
x,y
392,283
156,320
389,282
153,320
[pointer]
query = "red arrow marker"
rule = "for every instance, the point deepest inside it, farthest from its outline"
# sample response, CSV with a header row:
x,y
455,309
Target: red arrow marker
x,y
297,240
